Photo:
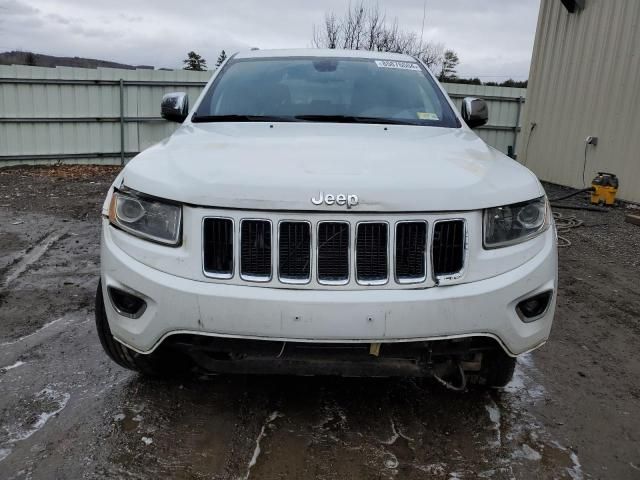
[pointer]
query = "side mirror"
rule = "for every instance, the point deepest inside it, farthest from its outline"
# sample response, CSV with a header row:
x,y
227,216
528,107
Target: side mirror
x,y
175,107
474,112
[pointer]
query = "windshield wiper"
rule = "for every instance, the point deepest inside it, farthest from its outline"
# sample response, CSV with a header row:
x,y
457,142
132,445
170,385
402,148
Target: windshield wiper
x,y
354,119
241,118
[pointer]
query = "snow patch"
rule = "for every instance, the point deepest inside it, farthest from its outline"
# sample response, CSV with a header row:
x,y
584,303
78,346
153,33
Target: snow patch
x,y
433,469
575,472
11,367
527,453
147,440
4,453
494,416
256,452
391,461
30,257
522,383
48,396
46,325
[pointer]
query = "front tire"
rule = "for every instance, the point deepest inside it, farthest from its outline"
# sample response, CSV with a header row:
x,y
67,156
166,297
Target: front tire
x,y
497,369
156,364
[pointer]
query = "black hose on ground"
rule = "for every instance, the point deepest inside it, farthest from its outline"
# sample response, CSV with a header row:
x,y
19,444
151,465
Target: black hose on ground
x,y
572,194
578,207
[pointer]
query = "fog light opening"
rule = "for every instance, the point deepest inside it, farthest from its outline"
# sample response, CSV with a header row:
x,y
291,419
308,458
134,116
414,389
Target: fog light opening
x,y
127,304
533,308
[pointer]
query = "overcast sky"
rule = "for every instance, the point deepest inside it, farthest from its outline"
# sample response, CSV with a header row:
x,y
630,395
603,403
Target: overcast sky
x,y
494,38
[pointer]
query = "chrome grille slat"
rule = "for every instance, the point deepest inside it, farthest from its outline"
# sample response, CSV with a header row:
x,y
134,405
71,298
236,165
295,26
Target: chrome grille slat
x,y
333,252
255,250
411,251
371,252
294,252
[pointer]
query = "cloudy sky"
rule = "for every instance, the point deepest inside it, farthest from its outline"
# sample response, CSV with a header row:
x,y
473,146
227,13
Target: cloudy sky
x,y
493,38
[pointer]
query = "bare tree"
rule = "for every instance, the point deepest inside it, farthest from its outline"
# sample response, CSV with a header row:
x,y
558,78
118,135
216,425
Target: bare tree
x,y
327,35
362,28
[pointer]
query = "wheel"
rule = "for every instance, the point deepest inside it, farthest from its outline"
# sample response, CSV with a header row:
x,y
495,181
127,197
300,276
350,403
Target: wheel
x,y
497,369
156,364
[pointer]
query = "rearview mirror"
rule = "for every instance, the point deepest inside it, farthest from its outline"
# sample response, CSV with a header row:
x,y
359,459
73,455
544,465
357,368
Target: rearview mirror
x,y
474,112
175,107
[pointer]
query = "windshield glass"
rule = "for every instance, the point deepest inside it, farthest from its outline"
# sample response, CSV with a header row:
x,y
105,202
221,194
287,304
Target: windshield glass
x,y
352,90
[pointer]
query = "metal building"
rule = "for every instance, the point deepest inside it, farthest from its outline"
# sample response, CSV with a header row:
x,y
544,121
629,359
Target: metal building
x,y
585,82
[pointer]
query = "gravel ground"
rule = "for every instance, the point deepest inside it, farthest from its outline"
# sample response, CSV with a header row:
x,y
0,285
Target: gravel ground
x,y
66,411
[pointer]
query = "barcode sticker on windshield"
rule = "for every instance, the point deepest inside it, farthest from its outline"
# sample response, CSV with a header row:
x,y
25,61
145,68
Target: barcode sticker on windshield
x,y
399,65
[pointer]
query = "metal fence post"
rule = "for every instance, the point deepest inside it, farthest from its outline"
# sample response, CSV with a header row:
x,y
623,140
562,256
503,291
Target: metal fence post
x,y
121,121
516,129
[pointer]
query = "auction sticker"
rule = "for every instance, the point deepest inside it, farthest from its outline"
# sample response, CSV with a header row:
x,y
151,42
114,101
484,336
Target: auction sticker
x,y
399,65
427,116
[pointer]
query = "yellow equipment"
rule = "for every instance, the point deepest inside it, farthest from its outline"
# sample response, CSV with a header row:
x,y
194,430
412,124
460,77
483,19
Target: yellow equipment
x,y
605,187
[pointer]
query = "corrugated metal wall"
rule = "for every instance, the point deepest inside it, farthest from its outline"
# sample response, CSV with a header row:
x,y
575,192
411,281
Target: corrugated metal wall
x,y
505,106
585,80
76,114
48,115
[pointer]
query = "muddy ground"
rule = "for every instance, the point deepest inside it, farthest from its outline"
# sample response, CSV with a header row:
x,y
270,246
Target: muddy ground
x,y
66,411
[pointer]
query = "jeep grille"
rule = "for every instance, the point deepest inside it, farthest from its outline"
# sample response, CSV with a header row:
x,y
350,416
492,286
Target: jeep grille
x,y
334,252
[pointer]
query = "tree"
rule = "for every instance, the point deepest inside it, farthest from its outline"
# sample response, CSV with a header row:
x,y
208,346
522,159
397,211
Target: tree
x,y
362,28
466,81
221,58
194,62
30,59
450,62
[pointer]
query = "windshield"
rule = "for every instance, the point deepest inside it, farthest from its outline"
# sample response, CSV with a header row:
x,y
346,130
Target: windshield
x,y
352,90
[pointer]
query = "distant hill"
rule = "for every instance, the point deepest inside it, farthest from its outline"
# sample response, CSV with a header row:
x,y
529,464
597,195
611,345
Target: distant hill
x,y
40,60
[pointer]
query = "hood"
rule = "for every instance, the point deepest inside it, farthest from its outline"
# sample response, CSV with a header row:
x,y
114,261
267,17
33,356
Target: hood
x,y
281,166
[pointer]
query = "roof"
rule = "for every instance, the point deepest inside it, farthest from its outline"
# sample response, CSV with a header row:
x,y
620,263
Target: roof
x,y
322,52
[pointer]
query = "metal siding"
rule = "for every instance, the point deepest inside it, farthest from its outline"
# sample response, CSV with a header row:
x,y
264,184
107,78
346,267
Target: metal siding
x,y
94,101
28,101
502,113
584,81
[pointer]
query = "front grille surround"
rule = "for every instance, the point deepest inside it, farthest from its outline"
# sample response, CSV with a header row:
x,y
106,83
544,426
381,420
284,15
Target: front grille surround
x,y
345,264
213,274
247,276
407,280
465,251
378,281
326,281
284,278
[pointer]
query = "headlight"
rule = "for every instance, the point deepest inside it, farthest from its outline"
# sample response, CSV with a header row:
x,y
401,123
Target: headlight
x,y
515,223
146,217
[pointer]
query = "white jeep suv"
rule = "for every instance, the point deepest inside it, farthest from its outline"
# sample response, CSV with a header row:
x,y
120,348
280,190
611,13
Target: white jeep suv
x,y
327,212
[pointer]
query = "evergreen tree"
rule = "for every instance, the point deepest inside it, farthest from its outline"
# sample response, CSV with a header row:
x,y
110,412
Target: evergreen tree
x,y
221,58
194,62
449,64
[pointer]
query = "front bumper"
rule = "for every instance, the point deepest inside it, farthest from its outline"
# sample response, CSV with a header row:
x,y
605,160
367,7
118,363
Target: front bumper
x,y
177,305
